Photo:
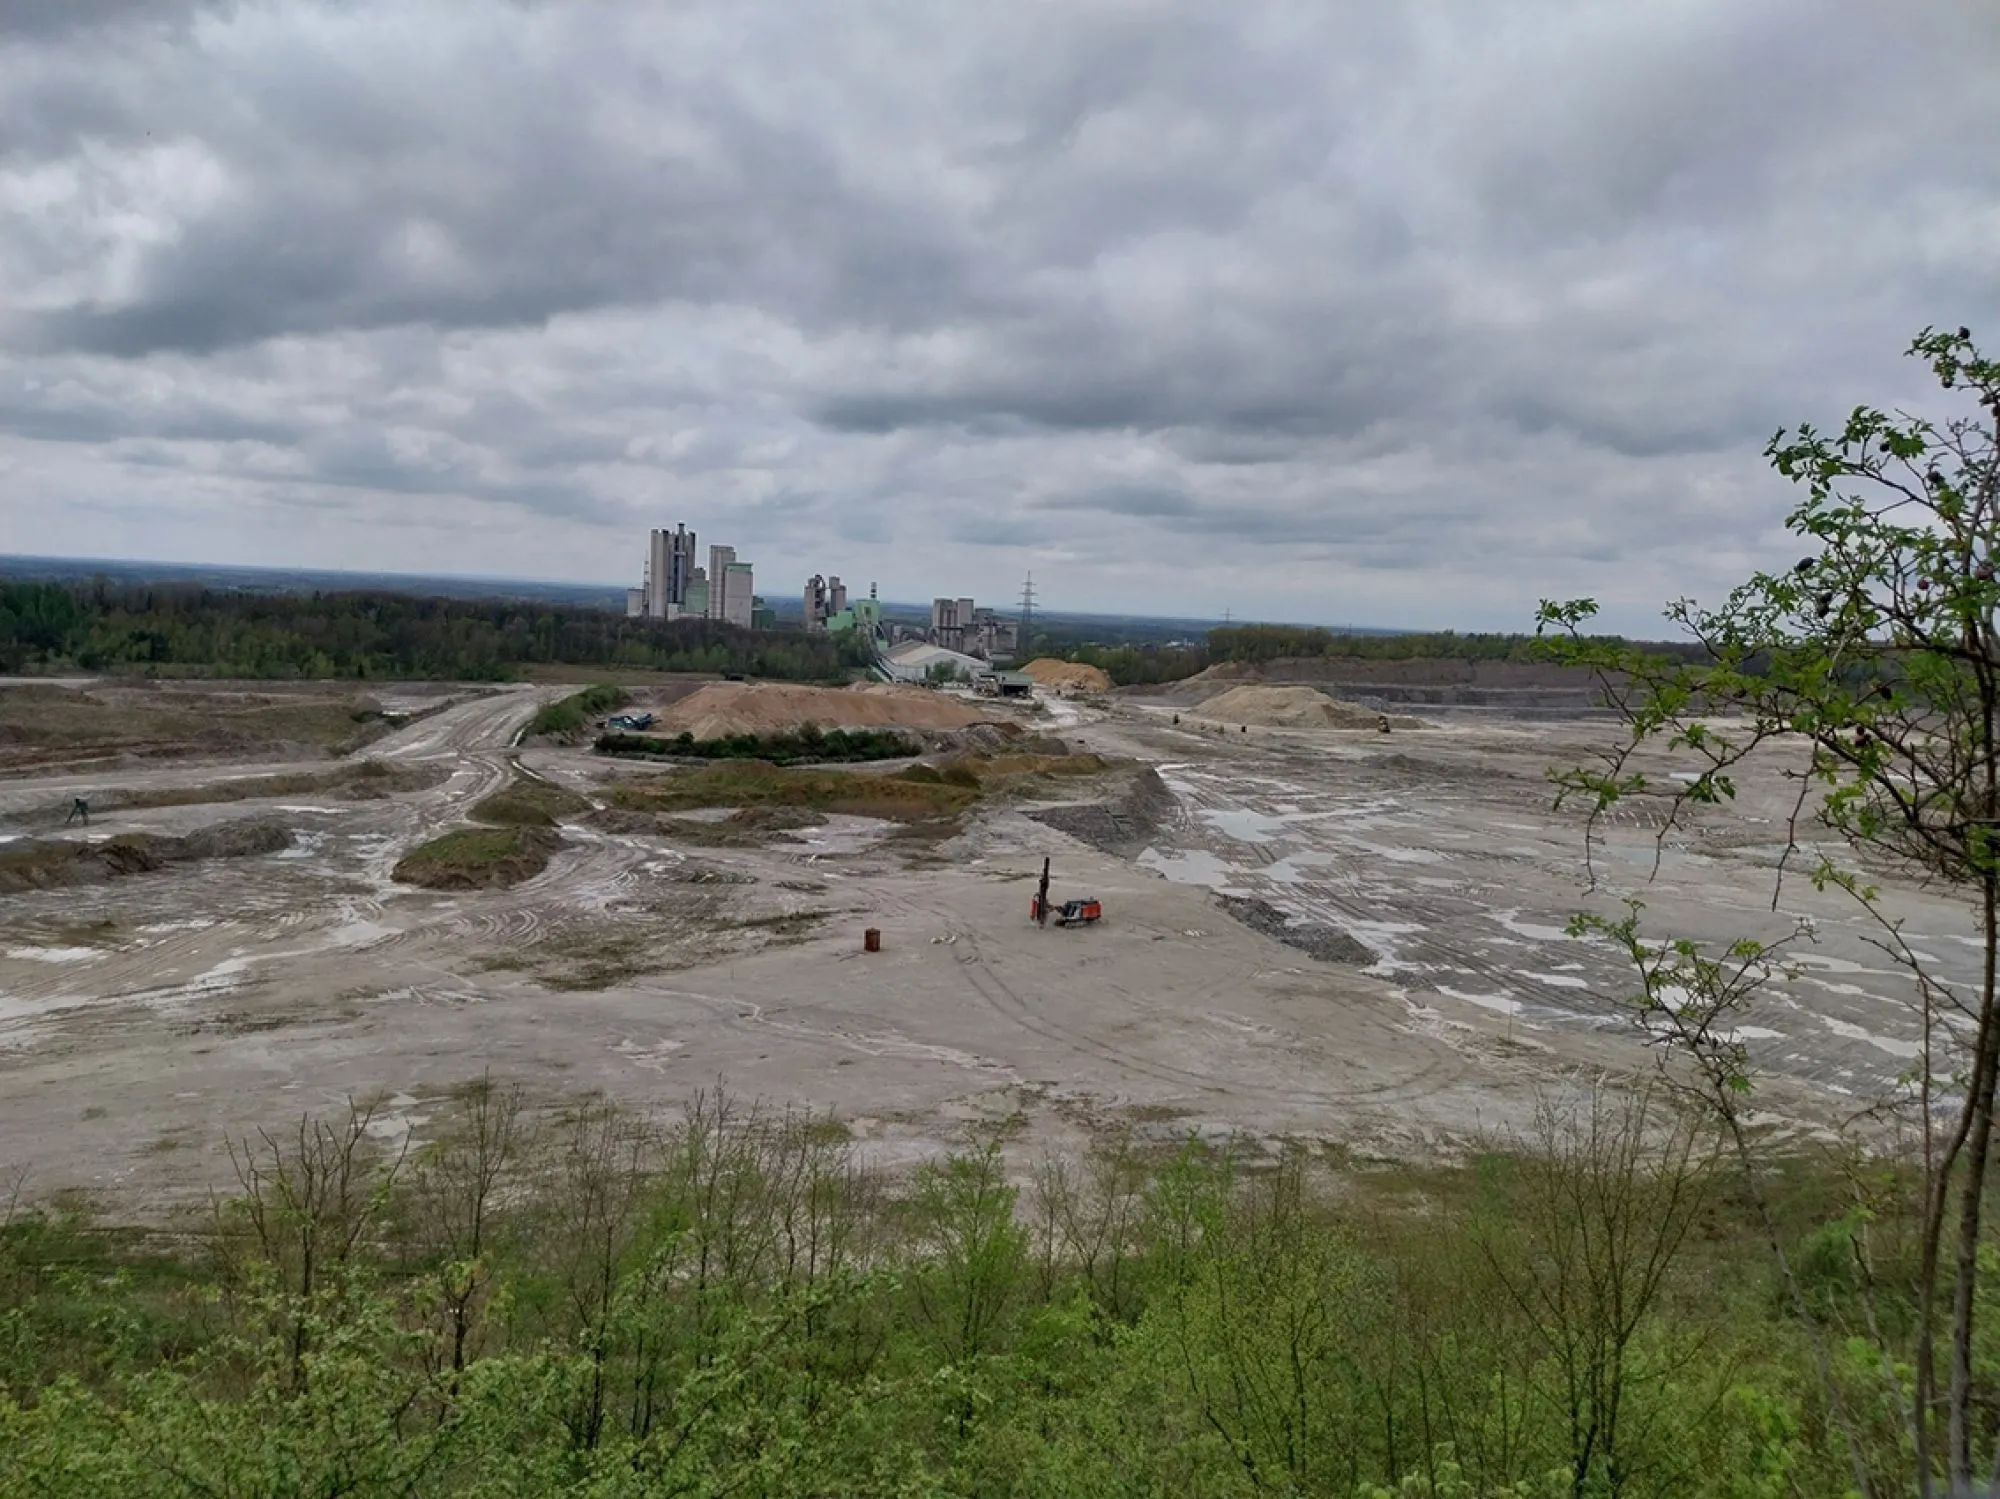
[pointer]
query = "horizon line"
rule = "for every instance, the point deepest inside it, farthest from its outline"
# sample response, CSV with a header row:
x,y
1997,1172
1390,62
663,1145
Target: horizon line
x,y
619,588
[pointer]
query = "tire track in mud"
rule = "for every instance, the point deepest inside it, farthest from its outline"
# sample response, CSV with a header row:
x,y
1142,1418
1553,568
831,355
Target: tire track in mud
x,y
269,910
1404,928
1000,997
1443,1067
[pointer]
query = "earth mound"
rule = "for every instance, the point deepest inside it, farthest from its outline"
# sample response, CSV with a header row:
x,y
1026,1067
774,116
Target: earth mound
x,y
38,863
478,858
1049,672
1297,708
724,708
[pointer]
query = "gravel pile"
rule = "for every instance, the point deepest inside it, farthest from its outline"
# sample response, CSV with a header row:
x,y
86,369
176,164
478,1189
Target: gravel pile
x,y
1328,944
1124,827
1297,708
1050,672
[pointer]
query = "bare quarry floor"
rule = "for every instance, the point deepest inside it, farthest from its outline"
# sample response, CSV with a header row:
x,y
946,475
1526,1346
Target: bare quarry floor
x,y
147,1020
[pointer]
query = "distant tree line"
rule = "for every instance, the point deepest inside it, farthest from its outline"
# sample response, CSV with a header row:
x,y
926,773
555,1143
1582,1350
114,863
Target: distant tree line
x,y
1270,642
192,631
187,630
1148,665
1141,665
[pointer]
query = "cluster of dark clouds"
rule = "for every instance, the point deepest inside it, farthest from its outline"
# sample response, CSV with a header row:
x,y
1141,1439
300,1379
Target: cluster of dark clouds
x,y
1335,311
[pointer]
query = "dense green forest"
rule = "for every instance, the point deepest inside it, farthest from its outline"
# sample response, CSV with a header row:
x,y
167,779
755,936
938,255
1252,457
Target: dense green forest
x,y
197,631
602,1305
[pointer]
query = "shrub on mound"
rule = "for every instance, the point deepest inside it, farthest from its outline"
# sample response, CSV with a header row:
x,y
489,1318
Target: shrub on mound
x,y
791,747
572,714
529,804
478,858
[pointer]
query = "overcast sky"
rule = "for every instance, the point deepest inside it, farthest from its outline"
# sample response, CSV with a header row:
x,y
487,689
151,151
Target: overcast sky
x,y
1391,313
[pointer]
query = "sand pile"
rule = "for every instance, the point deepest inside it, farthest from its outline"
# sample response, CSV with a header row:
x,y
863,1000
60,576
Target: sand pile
x,y
1049,672
1296,708
774,707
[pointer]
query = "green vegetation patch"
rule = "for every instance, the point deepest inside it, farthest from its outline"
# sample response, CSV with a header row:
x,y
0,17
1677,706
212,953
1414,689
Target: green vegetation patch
x,y
477,858
1149,1318
806,745
929,800
754,783
573,714
524,802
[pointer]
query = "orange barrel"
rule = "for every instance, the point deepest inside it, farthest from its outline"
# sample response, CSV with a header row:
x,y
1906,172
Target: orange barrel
x,y
871,940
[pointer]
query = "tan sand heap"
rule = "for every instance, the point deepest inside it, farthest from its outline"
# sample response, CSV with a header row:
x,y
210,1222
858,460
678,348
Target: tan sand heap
x,y
774,707
1296,708
1049,672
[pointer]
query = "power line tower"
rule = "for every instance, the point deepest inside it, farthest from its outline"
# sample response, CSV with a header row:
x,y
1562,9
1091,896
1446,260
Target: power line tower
x,y
1028,614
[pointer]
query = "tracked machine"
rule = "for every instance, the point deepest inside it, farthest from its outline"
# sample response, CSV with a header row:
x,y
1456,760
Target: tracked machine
x,y
1080,912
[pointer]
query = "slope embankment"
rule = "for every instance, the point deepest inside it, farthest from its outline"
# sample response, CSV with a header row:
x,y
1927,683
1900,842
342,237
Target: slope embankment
x,y
724,708
1523,688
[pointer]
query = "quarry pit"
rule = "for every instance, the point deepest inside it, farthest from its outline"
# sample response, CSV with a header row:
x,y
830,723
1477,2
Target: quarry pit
x,y
1331,936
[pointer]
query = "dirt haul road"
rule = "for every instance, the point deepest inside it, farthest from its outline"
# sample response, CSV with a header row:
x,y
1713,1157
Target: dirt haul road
x,y
478,729
147,1020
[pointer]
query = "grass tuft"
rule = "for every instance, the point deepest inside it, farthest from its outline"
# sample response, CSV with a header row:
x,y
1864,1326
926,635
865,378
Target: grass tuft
x,y
477,858
752,783
528,803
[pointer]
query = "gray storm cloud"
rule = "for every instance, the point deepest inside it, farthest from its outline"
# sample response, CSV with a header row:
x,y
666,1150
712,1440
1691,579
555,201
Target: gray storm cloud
x,y
1338,312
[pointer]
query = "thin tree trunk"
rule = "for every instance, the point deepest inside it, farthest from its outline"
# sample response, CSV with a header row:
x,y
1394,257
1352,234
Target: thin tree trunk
x,y
1972,1195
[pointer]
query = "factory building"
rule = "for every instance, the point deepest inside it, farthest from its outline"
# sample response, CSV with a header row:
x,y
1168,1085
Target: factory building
x,y
918,661
739,595
670,569
677,587
951,620
827,609
960,625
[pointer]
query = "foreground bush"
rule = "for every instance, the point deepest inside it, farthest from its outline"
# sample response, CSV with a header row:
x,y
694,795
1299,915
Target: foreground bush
x,y
606,1305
